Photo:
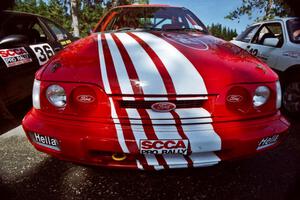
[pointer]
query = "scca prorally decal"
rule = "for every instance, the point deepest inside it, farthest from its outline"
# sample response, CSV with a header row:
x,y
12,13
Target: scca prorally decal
x,y
14,57
187,40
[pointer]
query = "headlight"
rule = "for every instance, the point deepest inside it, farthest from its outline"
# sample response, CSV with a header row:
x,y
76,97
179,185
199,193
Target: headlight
x,y
261,96
56,96
36,94
278,95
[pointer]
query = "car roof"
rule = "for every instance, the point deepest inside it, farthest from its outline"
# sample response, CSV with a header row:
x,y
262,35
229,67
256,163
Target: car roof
x,y
283,19
12,12
147,5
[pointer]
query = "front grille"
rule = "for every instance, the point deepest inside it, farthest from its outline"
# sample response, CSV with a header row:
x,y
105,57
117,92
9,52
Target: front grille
x,y
148,104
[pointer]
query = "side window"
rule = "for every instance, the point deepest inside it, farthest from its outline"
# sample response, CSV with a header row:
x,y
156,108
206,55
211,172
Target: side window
x,y
59,32
37,32
272,30
248,34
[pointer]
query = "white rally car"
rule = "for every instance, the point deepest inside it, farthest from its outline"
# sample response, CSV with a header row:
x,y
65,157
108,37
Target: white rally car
x,y
277,42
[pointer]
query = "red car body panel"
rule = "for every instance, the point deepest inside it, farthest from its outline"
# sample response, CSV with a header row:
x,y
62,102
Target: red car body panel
x,y
113,81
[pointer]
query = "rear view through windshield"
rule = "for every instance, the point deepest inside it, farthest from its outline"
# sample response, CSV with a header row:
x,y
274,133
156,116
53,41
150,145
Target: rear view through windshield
x,y
152,18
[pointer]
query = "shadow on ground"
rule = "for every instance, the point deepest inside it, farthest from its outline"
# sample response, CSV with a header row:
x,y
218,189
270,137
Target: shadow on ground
x,y
18,111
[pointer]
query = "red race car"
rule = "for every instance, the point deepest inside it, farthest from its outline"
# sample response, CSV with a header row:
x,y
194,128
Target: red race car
x,y
151,89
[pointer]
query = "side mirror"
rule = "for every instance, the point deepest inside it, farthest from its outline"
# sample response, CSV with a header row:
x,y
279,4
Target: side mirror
x,y
272,42
13,40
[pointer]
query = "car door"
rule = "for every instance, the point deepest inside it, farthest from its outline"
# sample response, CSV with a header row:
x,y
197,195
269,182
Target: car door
x,y
20,60
267,53
244,39
18,63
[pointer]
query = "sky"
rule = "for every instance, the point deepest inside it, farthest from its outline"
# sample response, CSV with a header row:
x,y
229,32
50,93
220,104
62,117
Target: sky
x,y
212,11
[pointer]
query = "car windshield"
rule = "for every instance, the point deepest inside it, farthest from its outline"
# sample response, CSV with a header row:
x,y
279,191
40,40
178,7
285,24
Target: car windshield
x,y
294,30
151,18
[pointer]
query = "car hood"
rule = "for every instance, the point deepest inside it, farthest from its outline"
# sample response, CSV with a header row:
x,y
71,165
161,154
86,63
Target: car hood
x,y
156,63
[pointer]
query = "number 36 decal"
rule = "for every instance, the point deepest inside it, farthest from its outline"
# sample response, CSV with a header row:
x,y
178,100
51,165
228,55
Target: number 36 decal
x,y
43,52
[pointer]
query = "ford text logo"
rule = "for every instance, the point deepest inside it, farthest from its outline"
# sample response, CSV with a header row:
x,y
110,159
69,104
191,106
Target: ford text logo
x,y
163,107
234,98
85,98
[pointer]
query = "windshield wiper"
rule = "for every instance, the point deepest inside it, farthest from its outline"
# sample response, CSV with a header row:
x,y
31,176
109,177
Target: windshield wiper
x,y
187,29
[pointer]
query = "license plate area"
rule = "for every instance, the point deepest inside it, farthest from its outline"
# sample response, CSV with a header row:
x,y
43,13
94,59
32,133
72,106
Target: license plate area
x,y
164,146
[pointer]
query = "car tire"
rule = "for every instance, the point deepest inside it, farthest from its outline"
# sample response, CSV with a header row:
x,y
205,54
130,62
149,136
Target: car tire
x,y
291,97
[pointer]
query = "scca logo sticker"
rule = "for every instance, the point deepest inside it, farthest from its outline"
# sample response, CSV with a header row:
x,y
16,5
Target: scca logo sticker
x,y
14,57
163,146
12,52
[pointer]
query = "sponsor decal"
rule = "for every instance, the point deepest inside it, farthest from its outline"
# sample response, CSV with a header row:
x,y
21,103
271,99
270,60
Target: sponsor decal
x,y
267,141
164,147
235,98
45,141
14,57
43,52
292,54
65,42
85,98
163,107
188,40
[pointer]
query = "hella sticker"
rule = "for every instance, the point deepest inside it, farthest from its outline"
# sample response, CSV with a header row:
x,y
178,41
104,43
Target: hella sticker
x,y
267,141
234,98
84,98
164,147
45,141
163,107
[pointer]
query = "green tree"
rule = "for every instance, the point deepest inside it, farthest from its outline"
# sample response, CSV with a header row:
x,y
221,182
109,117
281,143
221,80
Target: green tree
x,y
89,11
268,9
223,32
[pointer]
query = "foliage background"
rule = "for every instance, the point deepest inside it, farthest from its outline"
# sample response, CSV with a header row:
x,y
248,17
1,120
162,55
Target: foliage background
x,y
90,12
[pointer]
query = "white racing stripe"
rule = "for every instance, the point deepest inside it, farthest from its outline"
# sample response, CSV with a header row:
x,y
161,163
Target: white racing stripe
x,y
107,88
184,75
140,135
144,66
182,112
120,68
188,116
201,141
139,166
172,134
103,66
118,127
179,68
204,159
205,138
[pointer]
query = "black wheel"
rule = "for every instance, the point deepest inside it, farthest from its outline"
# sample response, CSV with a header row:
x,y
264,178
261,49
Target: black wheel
x,y
291,97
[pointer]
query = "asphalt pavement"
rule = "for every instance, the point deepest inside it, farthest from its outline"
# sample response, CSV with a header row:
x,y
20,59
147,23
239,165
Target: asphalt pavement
x,y
28,174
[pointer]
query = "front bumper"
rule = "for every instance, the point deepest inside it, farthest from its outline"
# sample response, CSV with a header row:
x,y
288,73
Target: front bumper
x,y
94,143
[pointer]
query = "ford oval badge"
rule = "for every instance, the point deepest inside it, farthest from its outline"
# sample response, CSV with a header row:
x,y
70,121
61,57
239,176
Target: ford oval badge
x,y
163,107
235,98
84,98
